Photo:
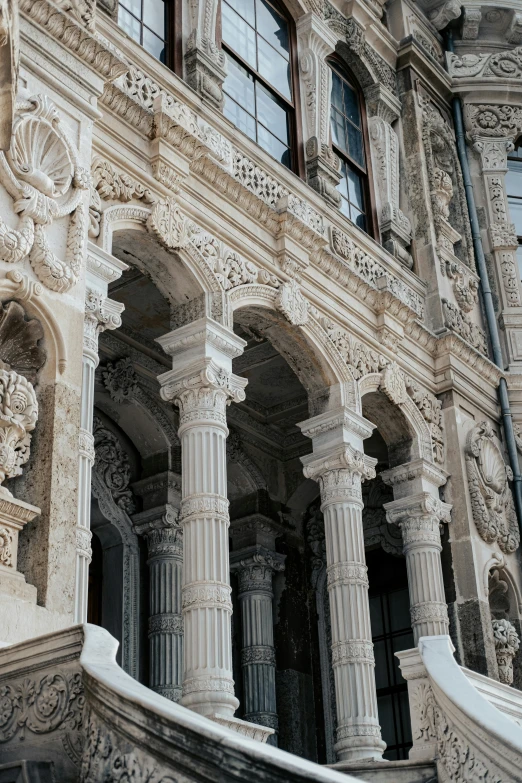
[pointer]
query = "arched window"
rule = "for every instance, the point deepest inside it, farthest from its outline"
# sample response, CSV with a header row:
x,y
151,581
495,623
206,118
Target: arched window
x,y
152,24
261,88
349,142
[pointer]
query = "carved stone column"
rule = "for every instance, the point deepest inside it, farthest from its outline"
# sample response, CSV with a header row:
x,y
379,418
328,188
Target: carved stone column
x,y
339,464
205,62
164,536
419,512
100,313
316,41
383,110
255,567
202,385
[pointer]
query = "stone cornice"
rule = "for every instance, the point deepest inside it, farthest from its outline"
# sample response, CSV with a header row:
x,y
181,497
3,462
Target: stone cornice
x,y
81,42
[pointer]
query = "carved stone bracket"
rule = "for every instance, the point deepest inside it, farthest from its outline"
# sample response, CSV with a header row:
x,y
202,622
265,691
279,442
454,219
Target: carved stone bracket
x,y
316,42
205,61
507,645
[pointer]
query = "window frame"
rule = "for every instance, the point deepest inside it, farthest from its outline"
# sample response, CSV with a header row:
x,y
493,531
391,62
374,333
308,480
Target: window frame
x,y
173,34
296,146
335,63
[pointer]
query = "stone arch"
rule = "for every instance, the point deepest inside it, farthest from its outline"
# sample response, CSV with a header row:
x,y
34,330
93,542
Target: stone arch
x,y
386,403
324,374
118,219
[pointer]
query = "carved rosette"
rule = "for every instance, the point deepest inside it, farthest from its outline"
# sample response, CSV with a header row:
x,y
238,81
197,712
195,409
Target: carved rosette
x,y
490,494
507,644
42,174
18,416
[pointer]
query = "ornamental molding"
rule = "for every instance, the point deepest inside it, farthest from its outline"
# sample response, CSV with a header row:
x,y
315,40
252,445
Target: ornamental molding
x,y
490,494
499,65
462,324
507,644
493,121
108,754
74,36
112,466
41,173
83,11
18,417
111,184
40,706
101,313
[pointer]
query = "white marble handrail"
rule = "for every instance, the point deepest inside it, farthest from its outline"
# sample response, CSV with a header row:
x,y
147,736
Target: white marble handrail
x,y
128,724
475,740
505,698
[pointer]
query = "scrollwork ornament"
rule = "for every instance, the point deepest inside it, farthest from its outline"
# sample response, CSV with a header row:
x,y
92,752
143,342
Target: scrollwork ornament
x,y
491,499
41,172
507,645
18,416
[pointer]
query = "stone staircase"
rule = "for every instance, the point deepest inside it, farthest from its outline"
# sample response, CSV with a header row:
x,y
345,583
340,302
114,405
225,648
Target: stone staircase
x,y
69,714
390,771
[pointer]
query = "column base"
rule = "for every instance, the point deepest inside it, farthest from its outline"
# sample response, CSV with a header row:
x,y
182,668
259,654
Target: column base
x,y
251,730
360,748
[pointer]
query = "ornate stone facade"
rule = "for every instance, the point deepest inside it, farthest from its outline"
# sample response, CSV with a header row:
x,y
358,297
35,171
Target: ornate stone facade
x,y
232,420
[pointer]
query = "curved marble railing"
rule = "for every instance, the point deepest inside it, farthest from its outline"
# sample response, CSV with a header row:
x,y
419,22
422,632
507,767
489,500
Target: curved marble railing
x,y
130,726
474,740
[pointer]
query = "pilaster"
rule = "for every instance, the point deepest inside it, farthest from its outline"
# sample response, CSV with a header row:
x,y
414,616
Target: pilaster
x,y
316,41
419,512
101,313
339,465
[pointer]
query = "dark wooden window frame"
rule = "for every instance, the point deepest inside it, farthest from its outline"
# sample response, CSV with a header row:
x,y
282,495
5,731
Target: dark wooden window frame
x,y
173,34
366,174
294,108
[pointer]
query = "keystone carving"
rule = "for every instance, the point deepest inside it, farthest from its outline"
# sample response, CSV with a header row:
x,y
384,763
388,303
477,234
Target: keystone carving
x,y
491,499
41,173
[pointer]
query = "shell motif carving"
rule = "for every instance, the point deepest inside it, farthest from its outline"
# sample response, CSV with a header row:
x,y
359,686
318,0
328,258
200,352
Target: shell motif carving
x,y
491,499
41,173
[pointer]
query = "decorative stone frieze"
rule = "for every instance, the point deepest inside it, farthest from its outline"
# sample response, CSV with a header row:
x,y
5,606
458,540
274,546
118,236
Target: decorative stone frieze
x,y
499,65
41,172
111,184
202,385
490,494
83,11
18,416
419,512
507,645
462,324
316,42
339,464
255,567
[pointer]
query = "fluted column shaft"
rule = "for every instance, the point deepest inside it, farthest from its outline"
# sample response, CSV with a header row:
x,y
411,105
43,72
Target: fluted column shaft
x,y
201,385
101,313
255,569
340,469
165,561
419,517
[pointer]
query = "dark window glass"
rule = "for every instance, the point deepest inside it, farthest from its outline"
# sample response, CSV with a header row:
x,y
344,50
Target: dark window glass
x,y
258,88
348,142
391,632
145,21
514,194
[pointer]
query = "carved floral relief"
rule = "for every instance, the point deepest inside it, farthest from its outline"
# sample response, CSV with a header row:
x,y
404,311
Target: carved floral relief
x,y
491,498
